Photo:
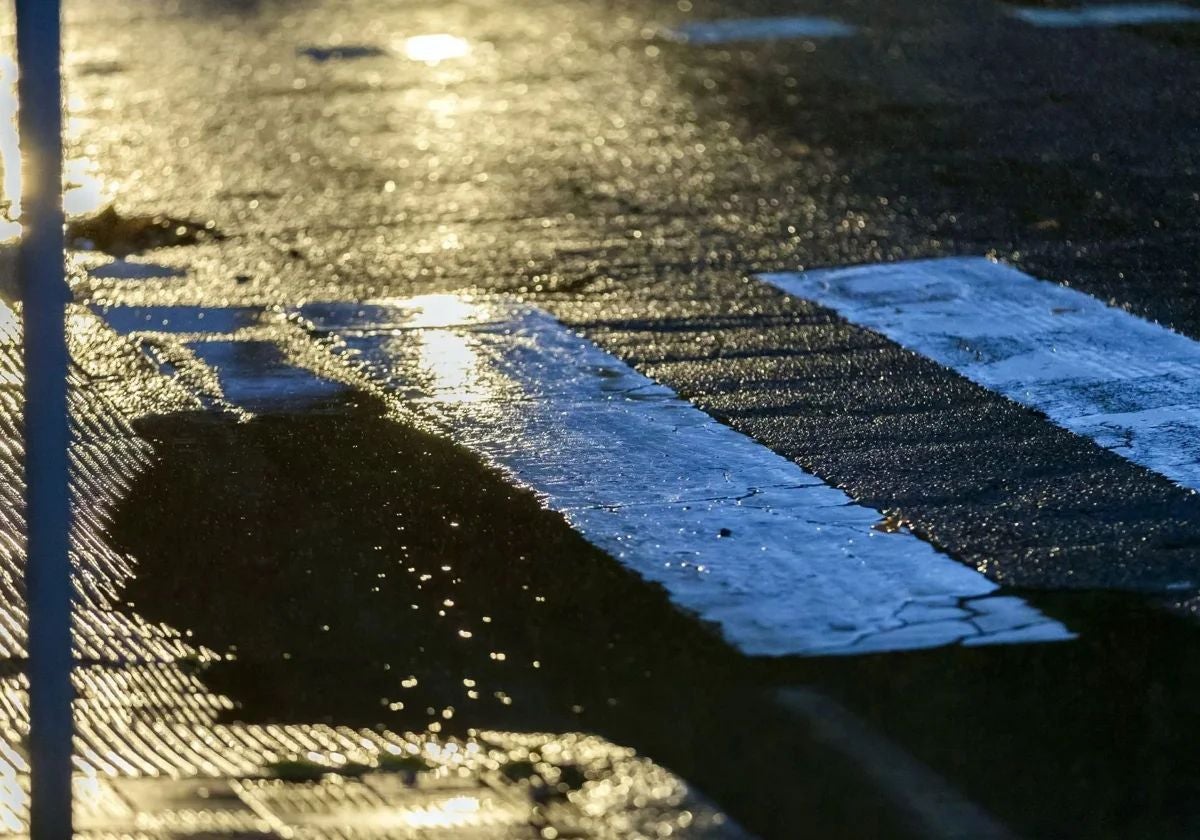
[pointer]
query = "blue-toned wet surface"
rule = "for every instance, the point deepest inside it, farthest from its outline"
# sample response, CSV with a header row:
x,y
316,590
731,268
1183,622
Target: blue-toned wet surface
x,y
180,319
256,376
758,29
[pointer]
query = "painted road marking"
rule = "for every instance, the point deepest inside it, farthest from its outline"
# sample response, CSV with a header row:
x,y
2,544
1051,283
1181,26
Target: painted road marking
x,y
1121,14
758,29
1098,371
687,502
782,562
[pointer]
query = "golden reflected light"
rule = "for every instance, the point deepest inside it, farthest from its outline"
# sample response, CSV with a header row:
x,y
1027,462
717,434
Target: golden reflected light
x,y
442,311
435,48
83,190
454,812
10,153
452,365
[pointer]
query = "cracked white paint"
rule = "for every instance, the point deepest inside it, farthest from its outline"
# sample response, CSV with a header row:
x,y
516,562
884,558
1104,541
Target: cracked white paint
x,y
1130,385
742,537
1117,14
758,29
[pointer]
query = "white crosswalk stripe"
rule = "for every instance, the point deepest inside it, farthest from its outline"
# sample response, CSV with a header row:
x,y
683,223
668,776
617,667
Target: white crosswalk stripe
x,y
1130,385
782,562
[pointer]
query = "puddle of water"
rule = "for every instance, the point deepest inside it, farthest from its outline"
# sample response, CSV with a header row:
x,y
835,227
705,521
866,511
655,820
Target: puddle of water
x,y
633,468
364,572
150,752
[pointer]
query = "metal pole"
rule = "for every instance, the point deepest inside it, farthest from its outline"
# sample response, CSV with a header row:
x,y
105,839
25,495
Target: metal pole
x,y
40,264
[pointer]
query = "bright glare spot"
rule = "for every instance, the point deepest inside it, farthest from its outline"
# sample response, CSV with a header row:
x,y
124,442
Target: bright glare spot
x,y
441,311
434,48
87,790
83,189
13,801
451,362
455,811
443,106
9,325
10,153
78,324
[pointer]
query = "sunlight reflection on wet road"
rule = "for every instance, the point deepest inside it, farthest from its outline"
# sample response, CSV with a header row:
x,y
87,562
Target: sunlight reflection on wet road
x,y
153,750
84,189
625,168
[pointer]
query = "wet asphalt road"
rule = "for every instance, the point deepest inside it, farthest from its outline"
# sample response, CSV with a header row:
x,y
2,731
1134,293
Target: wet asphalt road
x,y
631,186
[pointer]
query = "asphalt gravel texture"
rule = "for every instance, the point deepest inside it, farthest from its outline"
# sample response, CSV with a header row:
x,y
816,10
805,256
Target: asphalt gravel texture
x,y
632,185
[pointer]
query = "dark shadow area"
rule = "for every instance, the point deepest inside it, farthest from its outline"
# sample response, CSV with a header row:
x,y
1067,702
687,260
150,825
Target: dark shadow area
x,y
344,558
1089,739
123,235
344,554
341,556
1185,36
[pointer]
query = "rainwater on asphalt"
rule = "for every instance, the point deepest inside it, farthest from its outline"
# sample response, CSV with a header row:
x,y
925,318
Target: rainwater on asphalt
x,y
352,568
362,571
